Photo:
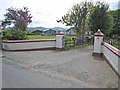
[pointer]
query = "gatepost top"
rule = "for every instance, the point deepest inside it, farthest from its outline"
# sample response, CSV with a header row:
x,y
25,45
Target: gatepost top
x,y
60,33
98,33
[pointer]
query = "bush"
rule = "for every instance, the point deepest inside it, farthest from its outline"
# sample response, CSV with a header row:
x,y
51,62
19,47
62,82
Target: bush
x,y
29,33
14,35
18,35
7,35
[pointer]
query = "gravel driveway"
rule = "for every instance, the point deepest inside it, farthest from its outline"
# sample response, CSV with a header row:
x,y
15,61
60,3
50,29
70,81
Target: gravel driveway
x,y
77,66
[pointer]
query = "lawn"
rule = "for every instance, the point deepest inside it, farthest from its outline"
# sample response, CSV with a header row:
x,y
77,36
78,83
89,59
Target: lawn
x,y
32,37
117,45
69,37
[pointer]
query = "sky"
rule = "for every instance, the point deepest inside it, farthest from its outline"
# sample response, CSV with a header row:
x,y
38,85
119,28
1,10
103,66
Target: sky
x,y
46,12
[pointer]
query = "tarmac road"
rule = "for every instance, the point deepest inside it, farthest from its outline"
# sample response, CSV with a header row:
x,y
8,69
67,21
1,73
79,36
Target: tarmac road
x,y
18,76
71,69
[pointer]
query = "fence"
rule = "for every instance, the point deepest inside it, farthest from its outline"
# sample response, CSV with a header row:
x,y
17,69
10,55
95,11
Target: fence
x,y
72,42
69,43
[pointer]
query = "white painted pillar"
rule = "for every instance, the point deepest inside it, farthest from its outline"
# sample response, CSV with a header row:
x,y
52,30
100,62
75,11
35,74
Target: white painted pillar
x,y
59,40
98,39
1,61
1,45
1,73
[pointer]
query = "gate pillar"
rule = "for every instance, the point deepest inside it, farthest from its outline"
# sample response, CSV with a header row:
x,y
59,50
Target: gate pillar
x,y
98,39
59,40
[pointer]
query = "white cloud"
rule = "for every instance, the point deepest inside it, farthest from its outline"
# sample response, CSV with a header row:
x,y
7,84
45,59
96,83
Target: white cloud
x,y
44,12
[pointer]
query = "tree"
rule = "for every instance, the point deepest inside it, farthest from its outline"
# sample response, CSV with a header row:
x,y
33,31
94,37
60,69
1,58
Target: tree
x,y
101,19
77,17
4,23
19,17
116,16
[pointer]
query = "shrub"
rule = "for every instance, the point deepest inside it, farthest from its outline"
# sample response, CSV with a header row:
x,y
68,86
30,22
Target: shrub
x,y
7,35
29,33
18,35
14,35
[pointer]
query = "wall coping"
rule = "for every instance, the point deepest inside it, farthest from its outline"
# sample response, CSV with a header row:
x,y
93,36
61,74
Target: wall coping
x,y
112,49
98,33
25,41
60,33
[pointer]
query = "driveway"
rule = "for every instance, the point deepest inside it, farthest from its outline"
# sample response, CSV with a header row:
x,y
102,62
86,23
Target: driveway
x,y
16,76
76,66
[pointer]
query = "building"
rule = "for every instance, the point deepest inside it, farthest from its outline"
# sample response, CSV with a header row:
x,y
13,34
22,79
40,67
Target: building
x,y
38,32
70,31
49,32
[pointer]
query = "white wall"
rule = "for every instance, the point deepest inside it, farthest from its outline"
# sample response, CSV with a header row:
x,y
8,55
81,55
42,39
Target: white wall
x,y
111,57
110,53
0,61
1,72
97,44
33,44
29,45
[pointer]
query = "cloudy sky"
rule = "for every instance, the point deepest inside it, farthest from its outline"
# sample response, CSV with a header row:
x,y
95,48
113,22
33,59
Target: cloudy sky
x,y
46,12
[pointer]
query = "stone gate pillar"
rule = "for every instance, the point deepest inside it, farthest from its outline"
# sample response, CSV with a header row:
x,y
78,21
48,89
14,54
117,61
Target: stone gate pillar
x,y
98,39
59,40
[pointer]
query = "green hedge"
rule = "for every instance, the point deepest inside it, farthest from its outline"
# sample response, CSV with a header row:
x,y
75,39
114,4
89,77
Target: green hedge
x,y
14,35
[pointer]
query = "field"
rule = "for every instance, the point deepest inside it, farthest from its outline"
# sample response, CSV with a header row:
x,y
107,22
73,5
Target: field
x,y
32,37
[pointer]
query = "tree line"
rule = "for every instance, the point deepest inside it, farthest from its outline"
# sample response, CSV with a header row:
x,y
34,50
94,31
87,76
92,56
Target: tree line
x,y
89,16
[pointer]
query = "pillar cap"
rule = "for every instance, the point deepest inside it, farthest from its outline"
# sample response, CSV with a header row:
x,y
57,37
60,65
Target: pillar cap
x,y
60,33
98,33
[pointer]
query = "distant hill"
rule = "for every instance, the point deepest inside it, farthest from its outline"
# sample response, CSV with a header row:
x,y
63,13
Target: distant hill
x,y
36,28
59,29
44,28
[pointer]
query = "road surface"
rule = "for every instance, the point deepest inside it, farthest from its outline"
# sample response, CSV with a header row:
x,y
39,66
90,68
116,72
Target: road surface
x,y
18,76
73,68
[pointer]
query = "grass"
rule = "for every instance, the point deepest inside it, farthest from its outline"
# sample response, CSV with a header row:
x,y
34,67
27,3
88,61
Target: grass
x,y
117,45
1,31
77,47
69,37
33,37
71,44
